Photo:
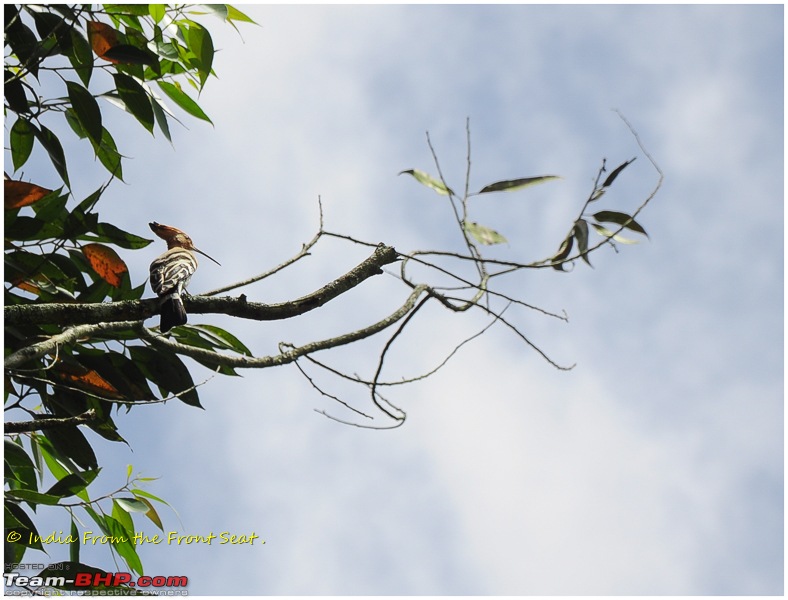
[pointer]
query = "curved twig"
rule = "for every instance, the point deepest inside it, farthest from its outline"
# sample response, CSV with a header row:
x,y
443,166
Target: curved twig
x,y
305,248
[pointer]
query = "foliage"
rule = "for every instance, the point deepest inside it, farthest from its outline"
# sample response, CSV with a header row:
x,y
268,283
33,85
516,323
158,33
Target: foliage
x,y
77,351
61,61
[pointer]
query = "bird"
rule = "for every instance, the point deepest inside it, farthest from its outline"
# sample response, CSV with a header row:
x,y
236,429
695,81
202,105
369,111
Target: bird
x,y
170,273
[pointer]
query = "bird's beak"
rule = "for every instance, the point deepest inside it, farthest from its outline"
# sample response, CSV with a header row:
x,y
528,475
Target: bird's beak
x,y
206,256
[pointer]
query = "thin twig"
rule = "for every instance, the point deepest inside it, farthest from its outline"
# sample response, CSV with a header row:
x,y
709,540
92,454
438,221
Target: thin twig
x,y
305,248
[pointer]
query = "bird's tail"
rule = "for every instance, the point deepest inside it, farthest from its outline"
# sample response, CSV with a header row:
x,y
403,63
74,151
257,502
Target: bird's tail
x,y
172,312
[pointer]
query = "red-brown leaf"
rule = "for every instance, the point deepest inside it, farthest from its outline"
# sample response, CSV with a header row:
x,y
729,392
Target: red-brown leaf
x,y
22,193
102,38
106,262
86,379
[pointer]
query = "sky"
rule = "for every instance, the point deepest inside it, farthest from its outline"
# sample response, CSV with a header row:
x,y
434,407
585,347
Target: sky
x,y
655,466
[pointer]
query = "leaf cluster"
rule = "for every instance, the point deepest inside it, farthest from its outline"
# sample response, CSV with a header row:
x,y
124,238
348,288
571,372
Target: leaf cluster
x,y
140,58
133,45
578,235
69,459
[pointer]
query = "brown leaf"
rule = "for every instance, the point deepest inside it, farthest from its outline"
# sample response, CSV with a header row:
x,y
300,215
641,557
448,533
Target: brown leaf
x,y
22,193
26,285
86,379
102,38
106,262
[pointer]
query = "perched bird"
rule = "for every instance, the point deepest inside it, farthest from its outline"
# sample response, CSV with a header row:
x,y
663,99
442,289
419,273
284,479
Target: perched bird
x,y
170,273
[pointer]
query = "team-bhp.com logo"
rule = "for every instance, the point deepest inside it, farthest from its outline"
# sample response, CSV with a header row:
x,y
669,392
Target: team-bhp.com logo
x,y
90,580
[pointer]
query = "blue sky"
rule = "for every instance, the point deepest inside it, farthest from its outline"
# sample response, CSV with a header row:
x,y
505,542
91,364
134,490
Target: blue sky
x,y
654,467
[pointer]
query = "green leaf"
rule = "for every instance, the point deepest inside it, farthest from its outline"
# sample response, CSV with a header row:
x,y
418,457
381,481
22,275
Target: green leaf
x,y
136,99
28,533
73,121
54,31
21,465
157,12
137,10
607,233
123,545
152,514
132,505
123,517
99,519
218,10
25,229
429,181
183,100
144,494
89,202
107,232
81,56
563,252
226,12
32,497
86,109
21,139
73,547
511,185
226,339
65,11
161,118
108,155
22,41
167,371
233,14
201,45
14,93
483,234
52,207
612,216
72,484
127,54
70,442
615,173
167,50
55,150
598,193
10,520
581,235
49,454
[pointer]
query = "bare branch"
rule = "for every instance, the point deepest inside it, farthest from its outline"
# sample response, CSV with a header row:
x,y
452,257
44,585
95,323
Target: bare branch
x,y
373,389
322,392
404,380
522,336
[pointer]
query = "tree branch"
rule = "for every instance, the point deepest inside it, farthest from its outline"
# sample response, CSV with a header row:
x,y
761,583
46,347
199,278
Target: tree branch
x,y
286,356
86,417
68,336
139,310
